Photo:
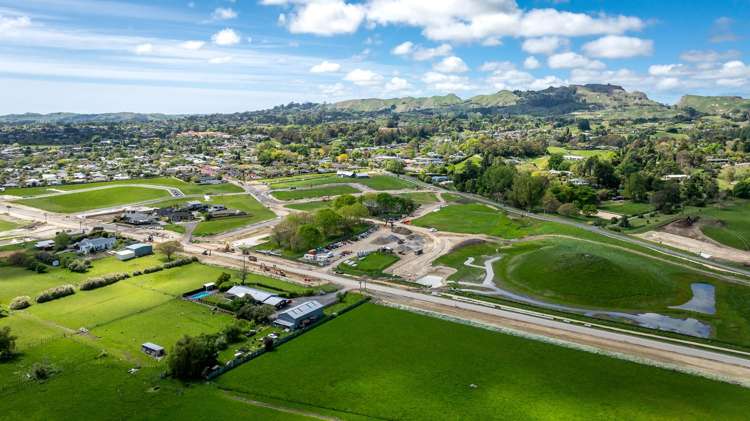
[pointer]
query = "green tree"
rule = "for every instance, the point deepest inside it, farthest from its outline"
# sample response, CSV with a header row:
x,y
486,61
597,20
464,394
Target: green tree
x,y
395,166
636,188
169,248
742,189
527,190
308,236
344,200
62,240
192,356
556,161
256,313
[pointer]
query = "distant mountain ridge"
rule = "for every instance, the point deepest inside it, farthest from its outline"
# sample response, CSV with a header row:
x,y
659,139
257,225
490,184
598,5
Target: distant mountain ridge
x,y
553,100
67,118
591,99
714,104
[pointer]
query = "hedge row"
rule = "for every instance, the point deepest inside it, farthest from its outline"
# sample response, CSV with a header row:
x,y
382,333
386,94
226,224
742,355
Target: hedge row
x,y
55,293
20,303
95,283
168,265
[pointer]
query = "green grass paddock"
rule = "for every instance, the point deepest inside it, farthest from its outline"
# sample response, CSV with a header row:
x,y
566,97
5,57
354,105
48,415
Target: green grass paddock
x,y
314,192
396,365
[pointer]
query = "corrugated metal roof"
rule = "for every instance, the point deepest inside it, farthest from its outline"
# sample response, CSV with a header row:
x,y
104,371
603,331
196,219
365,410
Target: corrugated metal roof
x,y
256,294
303,310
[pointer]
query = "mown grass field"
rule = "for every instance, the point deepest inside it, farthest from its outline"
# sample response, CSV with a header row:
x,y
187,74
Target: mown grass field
x,y
586,153
15,281
375,182
396,365
314,192
728,225
372,265
476,218
94,199
626,207
421,198
187,188
310,206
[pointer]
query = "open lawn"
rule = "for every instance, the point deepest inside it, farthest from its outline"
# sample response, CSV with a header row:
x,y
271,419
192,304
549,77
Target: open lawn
x,y
421,198
372,265
729,225
586,153
626,207
310,206
314,192
94,199
375,182
16,281
187,188
476,219
414,367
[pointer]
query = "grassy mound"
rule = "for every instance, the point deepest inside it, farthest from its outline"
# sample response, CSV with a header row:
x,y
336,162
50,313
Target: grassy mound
x,y
594,275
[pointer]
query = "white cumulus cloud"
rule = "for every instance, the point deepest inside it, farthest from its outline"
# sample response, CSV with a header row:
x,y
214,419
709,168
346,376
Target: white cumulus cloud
x,y
397,84
452,64
531,63
615,46
362,77
324,17
325,67
544,45
226,37
571,60
146,48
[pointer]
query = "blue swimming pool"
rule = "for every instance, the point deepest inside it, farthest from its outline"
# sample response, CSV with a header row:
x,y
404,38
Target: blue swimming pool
x,y
202,294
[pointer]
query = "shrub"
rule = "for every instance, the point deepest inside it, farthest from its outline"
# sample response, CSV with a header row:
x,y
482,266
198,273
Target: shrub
x,y
153,269
137,273
95,283
256,313
3,312
41,371
55,293
221,343
20,303
7,343
18,258
79,265
233,333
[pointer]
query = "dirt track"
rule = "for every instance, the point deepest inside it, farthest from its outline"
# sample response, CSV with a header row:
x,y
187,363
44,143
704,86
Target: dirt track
x,y
697,246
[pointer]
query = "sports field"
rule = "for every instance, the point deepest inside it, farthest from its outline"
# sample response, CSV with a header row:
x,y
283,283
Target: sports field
x,y
476,218
185,187
414,367
375,182
95,199
420,198
314,192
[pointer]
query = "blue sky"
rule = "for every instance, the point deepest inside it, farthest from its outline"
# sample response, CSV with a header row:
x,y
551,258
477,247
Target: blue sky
x,y
182,56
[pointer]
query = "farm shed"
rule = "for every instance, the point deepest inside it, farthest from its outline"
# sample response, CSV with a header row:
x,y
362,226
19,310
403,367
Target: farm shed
x,y
153,349
297,316
140,249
